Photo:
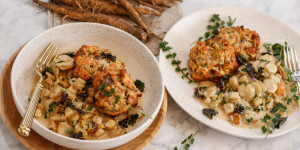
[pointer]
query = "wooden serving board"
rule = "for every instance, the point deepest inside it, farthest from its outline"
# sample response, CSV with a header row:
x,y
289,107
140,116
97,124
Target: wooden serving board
x,y
12,118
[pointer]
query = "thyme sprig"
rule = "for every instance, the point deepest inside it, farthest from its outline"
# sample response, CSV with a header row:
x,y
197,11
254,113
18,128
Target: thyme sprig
x,y
275,121
184,71
186,143
216,24
142,113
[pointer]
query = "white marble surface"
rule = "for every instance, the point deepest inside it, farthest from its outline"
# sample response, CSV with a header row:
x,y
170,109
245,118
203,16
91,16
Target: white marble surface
x,y
20,21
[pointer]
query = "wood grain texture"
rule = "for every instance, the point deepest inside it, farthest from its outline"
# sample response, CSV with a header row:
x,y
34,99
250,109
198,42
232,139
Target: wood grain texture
x,y
12,118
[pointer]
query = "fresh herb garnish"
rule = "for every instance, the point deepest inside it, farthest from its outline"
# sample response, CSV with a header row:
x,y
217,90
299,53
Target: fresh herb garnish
x,y
63,90
52,107
186,143
165,48
210,113
45,115
258,75
109,56
70,104
228,89
108,94
272,123
250,70
81,111
71,54
265,96
89,82
102,87
266,118
288,100
47,69
266,61
74,123
69,130
83,95
239,109
215,26
278,53
223,102
197,94
140,85
294,88
250,119
221,84
89,108
242,59
117,99
278,107
75,135
129,121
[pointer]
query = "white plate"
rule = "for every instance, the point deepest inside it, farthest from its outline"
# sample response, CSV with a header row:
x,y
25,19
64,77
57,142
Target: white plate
x,y
189,29
138,60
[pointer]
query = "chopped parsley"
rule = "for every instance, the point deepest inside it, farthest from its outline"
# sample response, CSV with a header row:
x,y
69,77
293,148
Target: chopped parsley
x,y
102,87
218,93
265,96
243,82
266,61
117,99
250,119
74,123
223,102
108,94
89,108
294,88
52,107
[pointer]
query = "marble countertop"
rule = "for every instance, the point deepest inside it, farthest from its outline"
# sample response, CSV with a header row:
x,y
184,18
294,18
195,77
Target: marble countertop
x,y
21,20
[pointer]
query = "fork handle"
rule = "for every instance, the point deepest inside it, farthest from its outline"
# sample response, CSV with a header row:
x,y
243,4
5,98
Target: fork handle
x,y
26,122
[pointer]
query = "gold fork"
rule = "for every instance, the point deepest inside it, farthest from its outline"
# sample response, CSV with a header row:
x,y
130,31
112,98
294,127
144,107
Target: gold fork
x,y
48,56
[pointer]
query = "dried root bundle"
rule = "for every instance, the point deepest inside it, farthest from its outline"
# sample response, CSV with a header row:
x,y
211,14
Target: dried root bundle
x,y
111,12
103,6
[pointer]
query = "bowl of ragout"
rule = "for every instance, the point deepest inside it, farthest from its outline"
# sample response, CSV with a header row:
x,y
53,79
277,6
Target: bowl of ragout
x,y
103,89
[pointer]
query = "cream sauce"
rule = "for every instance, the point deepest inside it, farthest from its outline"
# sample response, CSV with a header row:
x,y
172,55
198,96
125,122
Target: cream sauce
x,y
291,107
108,133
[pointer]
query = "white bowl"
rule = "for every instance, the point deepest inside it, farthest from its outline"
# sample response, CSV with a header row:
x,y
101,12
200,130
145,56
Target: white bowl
x,y
137,57
189,29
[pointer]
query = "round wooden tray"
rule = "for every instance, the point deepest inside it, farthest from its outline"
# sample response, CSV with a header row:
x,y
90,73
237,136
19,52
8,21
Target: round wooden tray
x,y
12,118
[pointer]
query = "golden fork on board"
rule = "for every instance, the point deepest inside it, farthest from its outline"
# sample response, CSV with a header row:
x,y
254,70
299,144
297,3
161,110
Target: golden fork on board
x,y
48,56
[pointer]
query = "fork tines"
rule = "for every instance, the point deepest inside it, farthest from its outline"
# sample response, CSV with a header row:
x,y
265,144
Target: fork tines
x,y
291,61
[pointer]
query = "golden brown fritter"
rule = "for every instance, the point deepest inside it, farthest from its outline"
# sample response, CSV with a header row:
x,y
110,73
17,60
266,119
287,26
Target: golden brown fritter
x,y
211,60
244,41
118,89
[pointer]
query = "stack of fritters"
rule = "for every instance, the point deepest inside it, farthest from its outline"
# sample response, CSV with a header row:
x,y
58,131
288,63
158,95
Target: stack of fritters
x,y
217,57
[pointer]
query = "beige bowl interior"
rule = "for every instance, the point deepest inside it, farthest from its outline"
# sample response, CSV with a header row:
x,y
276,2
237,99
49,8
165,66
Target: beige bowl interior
x,y
138,60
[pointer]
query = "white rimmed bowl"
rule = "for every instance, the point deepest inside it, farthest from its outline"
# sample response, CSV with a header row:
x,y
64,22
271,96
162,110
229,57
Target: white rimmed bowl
x,y
187,30
138,60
